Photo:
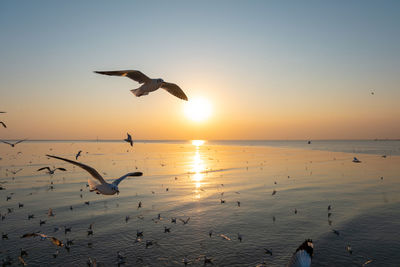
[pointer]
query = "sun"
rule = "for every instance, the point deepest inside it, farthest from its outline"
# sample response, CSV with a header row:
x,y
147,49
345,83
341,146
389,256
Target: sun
x,y
198,109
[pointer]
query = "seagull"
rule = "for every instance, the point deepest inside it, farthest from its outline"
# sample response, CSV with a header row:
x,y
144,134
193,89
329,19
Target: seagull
x,y
14,171
50,171
103,187
78,154
13,144
4,125
184,221
129,139
303,255
356,160
149,85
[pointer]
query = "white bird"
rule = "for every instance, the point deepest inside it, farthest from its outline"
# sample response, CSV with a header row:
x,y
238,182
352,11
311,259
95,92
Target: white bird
x,y
149,85
303,255
103,187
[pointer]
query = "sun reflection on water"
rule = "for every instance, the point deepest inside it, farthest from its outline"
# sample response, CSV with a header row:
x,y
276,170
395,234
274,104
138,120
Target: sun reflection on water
x,y
198,167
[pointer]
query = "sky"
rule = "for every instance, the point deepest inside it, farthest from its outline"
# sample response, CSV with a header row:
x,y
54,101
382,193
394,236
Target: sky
x,y
270,69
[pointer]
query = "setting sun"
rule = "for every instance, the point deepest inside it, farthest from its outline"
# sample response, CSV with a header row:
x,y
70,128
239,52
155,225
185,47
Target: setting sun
x,y
198,109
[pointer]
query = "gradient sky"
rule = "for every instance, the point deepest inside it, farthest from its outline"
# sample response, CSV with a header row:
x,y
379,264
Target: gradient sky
x,y
271,69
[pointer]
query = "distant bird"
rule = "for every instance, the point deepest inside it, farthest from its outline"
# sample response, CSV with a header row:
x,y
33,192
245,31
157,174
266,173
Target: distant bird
x,y
149,85
14,171
167,230
274,192
210,233
50,171
54,240
20,205
356,160
238,203
329,207
184,221
23,252
309,142
13,144
336,232
267,251
207,260
173,220
303,255
348,248
127,218
103,187
240,237
42,222
225,237
78,154
50,213
4,125
129,139
367,262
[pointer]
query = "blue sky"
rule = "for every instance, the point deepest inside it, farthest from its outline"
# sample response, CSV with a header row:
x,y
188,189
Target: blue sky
x,y
275,68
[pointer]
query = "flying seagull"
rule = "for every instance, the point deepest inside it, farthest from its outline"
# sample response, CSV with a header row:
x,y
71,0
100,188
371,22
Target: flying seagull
x,y
129,139
103,187
4,125
149,85
78,154
50,171
303,255
13,144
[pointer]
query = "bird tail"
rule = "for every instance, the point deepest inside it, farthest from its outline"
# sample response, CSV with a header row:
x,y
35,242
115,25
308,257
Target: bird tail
x,y
138,92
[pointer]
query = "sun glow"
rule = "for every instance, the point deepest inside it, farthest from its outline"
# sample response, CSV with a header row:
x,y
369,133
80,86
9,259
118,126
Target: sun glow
x,y
198,109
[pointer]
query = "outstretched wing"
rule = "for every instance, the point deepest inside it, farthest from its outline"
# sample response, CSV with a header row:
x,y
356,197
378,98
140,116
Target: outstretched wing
x,y
20,141
174,90
6,142
4,125
117,181
87,168
43,168
133,74
61,169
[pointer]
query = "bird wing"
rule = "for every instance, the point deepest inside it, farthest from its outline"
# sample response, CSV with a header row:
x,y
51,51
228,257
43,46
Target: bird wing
x,y
61,169
43,168
132,74
174,90
6,142
129,137
87,168
4,125
20,141
117,181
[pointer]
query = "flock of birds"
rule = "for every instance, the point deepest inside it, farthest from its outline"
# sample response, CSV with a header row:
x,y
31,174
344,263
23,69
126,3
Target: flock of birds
x,y
302,257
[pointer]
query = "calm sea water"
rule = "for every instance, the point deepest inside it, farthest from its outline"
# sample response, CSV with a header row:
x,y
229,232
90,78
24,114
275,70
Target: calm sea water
x,y
184,180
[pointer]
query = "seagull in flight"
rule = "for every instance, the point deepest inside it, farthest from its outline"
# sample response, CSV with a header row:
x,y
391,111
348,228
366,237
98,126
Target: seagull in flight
x,y
13,144
129,139
149,85
50,171
78,154
4,125
100,187
303,255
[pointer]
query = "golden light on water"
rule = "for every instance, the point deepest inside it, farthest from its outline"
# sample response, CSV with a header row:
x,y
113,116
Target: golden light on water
x,y
198,109
198,166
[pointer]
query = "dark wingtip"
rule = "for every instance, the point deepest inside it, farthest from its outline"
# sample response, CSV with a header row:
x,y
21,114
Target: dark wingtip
x,y
137,174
